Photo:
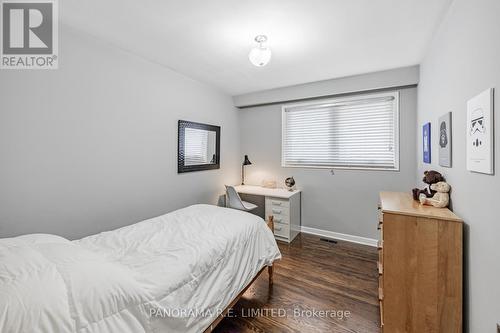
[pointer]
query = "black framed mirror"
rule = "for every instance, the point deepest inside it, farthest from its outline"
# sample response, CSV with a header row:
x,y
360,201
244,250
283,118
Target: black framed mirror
x,y
198,147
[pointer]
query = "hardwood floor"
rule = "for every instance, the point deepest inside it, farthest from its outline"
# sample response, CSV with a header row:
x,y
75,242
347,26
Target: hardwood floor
x,y
312,276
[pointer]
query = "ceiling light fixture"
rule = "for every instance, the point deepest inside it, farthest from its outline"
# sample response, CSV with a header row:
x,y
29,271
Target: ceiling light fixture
x,y
260,55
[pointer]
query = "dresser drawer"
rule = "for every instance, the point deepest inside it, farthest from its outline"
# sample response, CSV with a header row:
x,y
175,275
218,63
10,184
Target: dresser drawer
x,y
381,304
381,256
380,287
282,230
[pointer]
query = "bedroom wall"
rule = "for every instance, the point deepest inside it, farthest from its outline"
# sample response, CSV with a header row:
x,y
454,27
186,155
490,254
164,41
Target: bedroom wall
x,y
392,78
93,145
345,202
464,60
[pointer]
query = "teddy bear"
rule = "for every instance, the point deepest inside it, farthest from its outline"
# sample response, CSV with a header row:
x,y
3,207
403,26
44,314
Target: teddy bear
x,y
440,199
430,177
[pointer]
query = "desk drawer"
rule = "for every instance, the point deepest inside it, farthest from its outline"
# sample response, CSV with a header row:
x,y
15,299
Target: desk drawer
x,y
277,202
282,230
281,219
277,211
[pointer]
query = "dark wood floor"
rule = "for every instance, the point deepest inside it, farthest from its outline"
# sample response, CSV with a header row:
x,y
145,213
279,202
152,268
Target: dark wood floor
x,y
313,275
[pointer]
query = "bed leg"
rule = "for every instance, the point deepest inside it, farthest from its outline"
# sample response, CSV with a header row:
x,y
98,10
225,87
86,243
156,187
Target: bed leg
x,y
270,271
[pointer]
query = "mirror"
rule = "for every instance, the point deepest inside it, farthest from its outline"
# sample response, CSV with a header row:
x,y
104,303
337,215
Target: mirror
x,y
198,147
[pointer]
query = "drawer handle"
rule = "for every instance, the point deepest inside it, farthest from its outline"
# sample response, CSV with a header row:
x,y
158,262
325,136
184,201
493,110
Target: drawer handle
x,y
277,211
278,229
278,220
277,203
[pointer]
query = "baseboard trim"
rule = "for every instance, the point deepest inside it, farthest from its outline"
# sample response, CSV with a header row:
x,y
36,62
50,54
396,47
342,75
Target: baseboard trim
x,y
337,235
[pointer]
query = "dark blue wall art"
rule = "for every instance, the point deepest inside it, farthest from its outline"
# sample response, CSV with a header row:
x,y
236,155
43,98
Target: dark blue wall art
x,y
426,136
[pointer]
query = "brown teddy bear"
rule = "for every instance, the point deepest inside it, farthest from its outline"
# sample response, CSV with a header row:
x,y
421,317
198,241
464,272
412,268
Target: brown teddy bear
x,y
430,177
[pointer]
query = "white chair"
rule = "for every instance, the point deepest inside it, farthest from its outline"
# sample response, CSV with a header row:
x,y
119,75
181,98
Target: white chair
x,y
234,201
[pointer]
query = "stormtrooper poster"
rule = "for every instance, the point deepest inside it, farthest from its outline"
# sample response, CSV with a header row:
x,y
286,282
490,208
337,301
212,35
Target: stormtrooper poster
x,y
445,140
480,133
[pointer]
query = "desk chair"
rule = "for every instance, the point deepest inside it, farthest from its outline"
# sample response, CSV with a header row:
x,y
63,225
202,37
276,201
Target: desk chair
x,y
234,201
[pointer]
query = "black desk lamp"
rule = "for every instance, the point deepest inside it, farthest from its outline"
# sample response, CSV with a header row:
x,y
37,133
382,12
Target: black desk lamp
x,y
245,162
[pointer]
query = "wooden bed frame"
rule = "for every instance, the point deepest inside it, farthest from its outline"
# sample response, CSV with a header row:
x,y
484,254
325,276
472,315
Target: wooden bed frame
x,y
217,320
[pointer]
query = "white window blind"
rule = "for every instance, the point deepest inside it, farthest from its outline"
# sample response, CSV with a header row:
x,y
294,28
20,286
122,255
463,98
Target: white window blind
x,y
356,132
196,143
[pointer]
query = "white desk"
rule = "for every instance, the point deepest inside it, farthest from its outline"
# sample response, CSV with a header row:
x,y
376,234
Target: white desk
x,y
283,205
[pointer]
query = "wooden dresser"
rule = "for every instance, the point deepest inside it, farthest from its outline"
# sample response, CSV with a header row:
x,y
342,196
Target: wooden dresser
x,y
420,266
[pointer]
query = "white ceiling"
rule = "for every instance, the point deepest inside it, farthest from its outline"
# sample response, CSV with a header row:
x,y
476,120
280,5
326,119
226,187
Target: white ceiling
x,y
311,40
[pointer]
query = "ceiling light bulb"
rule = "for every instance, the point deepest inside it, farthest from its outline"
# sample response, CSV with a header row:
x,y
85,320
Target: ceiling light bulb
x,y
260,55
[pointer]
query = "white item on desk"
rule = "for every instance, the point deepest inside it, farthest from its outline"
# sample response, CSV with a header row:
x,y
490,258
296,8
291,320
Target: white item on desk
x,y
235,202
269,183
283,204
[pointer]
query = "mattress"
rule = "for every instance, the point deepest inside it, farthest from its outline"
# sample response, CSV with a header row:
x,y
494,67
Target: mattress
x,y
173,273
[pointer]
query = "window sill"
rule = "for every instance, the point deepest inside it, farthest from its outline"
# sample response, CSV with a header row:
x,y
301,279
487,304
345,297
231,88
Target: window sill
x,y
397,169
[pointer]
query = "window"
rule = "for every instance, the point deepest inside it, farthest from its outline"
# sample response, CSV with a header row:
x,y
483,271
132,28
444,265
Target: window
x,y
196,147
355,132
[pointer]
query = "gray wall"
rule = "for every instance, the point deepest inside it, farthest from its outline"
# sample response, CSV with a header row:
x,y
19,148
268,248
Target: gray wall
x,y
393,78
93,146
346,202
464,60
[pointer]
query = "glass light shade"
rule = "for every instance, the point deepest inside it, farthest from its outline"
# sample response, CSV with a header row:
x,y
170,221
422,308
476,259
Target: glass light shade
x,y
260,56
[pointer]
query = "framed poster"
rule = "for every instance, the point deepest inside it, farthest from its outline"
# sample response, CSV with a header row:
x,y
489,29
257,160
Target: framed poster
x,y
445,140
426,144
480,133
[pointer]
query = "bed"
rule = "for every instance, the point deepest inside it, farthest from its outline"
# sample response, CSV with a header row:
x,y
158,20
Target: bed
x,y
174,273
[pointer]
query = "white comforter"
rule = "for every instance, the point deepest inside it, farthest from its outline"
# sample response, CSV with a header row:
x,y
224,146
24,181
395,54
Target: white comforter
x,y
173,273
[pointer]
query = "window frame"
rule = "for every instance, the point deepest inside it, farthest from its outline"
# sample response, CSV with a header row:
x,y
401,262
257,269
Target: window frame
x,y
319,102
181,126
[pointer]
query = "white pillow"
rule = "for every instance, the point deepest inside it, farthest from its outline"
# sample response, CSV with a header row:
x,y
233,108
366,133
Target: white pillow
x,y
42,238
